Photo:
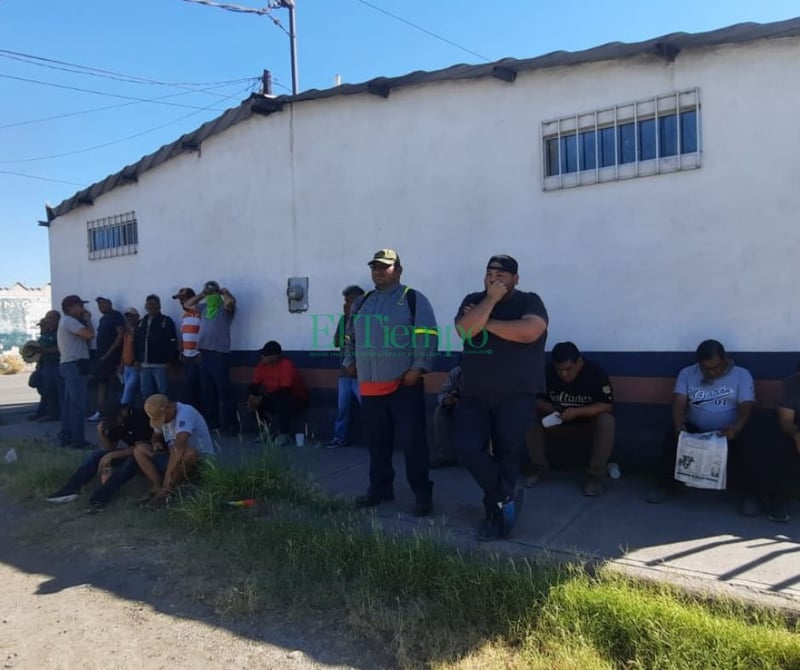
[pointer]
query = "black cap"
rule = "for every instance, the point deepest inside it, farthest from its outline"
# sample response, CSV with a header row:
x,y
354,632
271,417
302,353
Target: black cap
x,y
503,263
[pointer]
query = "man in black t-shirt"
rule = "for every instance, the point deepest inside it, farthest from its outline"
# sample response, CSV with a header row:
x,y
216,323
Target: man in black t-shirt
x,y
110,330
502,370
576,407
779,463
122,428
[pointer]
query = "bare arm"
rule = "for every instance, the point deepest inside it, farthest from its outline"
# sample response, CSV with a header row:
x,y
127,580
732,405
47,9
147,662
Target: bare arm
x,y
743,412
679,402
117,342
788,427
228,301
192,302
474,318
544,406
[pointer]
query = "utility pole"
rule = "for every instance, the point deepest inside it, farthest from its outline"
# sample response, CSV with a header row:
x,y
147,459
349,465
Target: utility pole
x,y
290,5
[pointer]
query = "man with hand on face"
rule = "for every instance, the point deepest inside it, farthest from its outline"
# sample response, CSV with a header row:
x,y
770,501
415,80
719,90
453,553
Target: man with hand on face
x,y
390,343
502,370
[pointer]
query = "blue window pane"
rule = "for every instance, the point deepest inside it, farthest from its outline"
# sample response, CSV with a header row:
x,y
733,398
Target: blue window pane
x,y
647,139
551,156
627,143
588,158
688,132
569,154
606,148
667,135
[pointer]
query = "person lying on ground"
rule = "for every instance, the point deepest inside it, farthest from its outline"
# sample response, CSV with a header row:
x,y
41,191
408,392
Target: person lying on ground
x,y
120,431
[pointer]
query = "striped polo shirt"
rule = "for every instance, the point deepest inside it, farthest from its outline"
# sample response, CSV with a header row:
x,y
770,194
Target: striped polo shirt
x,y
190,333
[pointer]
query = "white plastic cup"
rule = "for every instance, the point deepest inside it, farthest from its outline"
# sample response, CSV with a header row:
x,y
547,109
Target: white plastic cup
x,y
551,420
300,439
11,456
613,471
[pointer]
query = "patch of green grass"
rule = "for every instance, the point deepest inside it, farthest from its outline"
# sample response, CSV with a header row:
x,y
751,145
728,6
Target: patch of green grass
x,y
303,554
39,470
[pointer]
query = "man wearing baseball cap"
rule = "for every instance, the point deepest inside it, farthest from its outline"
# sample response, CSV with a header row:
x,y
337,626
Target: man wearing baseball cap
x,y
390,370
183,432
217,308
190,354
502,370
74,332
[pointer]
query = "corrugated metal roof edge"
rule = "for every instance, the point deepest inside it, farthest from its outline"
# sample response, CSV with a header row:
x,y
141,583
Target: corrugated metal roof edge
x,y
666,46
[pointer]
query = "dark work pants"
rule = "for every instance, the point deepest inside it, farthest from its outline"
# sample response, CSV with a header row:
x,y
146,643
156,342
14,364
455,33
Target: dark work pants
x,y
752,464
219,402
503,420
123,471
282,404
51,389
397,419
190,386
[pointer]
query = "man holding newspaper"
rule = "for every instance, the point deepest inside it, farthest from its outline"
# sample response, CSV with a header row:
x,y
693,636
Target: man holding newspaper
x,y
711,406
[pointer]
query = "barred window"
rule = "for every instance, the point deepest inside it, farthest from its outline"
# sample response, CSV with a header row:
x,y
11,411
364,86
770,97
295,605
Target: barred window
x,y
113,236
652,136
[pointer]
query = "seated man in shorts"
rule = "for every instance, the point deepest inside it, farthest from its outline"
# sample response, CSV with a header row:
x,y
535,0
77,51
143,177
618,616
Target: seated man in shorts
x,y
120,431
181,438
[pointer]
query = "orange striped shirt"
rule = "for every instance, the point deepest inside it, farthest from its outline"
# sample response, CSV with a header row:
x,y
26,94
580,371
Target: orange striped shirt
x,y
378,388
190,333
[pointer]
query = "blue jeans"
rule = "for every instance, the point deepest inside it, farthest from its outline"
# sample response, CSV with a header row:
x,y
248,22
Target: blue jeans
x,y
73,407
153,380
348,389
504,420
130,389
219,401
397,419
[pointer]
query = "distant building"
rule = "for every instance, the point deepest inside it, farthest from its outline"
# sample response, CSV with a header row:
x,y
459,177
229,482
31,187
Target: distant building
x,y
21,309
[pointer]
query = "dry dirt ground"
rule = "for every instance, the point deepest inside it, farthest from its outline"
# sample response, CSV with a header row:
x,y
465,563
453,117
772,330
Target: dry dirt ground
x,y
73,609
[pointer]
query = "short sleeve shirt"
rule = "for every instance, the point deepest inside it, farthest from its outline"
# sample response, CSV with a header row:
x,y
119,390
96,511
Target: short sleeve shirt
x,y
283,374
136,428
189,420
215,334
107,330
71,346
592,385
492,366
713,404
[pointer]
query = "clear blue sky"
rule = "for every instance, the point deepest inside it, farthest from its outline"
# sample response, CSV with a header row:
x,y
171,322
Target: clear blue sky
x,y
178,41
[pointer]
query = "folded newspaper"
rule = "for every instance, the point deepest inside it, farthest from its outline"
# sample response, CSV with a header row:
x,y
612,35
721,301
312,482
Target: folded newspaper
x,y
702,460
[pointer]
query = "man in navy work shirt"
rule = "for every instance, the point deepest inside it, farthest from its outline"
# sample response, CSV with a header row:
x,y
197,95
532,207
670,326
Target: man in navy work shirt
x,y
502,370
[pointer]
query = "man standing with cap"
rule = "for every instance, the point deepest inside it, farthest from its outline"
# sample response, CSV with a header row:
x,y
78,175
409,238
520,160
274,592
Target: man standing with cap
x,y
74,332
391,341
217,308
110,329
504,332
190,354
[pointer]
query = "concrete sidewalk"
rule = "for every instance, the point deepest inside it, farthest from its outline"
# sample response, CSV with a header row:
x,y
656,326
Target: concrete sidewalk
x,y
696,540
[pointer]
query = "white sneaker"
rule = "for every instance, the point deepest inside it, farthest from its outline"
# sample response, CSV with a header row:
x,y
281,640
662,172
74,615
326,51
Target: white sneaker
x,y
63,498
95,417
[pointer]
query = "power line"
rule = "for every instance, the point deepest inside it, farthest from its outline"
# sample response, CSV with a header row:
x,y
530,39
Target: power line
x,y
423,30
118,141
116,106
109,95
74,68
33,176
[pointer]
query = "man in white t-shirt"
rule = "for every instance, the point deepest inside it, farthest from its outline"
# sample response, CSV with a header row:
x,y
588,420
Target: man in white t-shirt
x,y
180,438
75,330
714,395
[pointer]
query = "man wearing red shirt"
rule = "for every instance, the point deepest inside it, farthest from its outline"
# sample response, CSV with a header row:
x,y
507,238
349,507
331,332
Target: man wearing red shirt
x,y
277,388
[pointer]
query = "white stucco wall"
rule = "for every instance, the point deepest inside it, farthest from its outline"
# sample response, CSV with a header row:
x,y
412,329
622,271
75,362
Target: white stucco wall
x,y
449,174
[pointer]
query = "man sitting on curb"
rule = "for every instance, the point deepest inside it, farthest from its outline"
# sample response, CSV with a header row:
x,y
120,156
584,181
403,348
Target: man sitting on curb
x,y
714,395
580,397
181,437
119,432
277,388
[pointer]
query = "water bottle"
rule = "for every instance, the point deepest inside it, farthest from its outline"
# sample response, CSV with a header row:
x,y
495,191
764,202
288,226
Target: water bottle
x,y
614,471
